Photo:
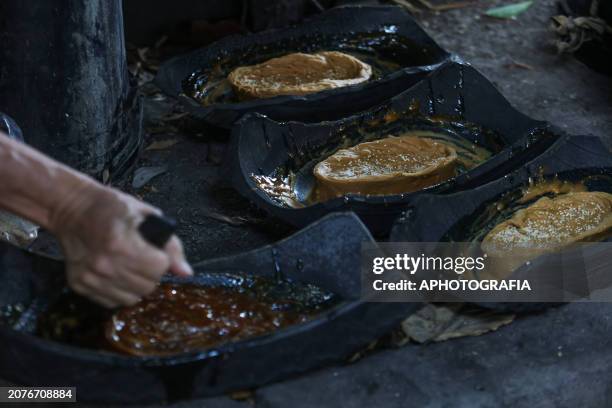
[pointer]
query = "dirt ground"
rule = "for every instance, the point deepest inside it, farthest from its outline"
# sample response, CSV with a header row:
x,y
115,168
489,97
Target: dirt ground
x,y
557,89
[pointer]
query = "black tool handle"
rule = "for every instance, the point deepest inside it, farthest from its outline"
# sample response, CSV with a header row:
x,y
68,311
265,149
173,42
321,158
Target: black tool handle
x,y
157,229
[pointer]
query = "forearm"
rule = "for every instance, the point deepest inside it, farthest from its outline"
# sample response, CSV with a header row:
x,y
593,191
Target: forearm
x,y
106,257
35,186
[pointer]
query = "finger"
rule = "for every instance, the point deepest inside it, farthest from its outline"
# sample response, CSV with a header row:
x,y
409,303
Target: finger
x,y
120,296
102,301
86,292
145,260
102,287
178,264
147,208
133,282
137,205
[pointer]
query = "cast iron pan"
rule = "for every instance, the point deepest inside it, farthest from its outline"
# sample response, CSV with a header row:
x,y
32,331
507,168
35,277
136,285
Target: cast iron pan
x,y
378,33
462,216
447,99
327,251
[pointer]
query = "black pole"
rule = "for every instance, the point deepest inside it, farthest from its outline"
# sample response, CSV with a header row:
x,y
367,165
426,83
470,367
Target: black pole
x,y
64,79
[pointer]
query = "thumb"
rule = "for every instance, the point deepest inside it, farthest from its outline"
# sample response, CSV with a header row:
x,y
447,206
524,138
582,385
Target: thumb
x,y
178,264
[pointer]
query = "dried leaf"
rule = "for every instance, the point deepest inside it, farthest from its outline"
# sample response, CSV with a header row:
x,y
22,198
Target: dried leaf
x,y
159,97
429,321
153,67
242,395
522,65
448,321
142,53
573,32
360,354
397,338
161,41
409,6
145,174
509,11
475,324
445,7
105,176
234,221
162,144
164,128
432,7
174,116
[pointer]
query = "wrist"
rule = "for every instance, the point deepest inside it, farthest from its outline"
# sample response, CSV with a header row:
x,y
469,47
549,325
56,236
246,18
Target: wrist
x,y
74,203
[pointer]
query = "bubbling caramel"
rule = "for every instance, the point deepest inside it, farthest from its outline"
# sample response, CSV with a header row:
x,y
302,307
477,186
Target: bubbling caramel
x,y
298,74
182,318
393,165
555,187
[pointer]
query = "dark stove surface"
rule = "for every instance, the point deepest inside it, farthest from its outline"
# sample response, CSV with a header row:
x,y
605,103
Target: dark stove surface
x,y
213,220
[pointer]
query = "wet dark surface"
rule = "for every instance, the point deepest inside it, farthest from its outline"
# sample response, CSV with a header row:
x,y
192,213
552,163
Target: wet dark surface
x,y
560,358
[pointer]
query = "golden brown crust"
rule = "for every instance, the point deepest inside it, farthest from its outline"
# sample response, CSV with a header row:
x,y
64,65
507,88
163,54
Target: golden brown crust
x,y
548,225
393,165
298,74
555,222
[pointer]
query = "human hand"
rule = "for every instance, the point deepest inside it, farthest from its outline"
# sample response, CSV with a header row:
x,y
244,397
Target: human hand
x,y
107,259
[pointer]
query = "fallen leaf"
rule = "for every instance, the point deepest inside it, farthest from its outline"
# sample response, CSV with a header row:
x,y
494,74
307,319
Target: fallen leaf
x,y
234,221
161,41
144,77
509,11
445,7
142,53
448,321
105,176
165,128
432,7
360,354
242,395
475,324
522,65
143,175
162,144
409,6
174,116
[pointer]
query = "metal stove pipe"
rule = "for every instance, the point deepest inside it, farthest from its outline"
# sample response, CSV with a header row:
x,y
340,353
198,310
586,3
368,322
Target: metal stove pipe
x,y
64,79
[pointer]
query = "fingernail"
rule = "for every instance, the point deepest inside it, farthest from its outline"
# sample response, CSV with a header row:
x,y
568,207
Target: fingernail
x,y
187,268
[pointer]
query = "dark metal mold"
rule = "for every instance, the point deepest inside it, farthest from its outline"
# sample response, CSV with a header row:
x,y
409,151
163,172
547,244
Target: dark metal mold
x,y
466,216
455,100
386,37
323,253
